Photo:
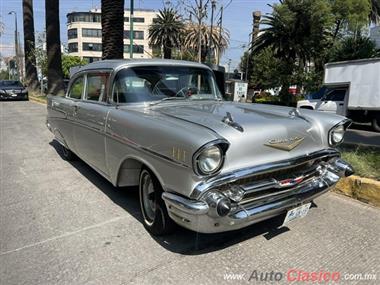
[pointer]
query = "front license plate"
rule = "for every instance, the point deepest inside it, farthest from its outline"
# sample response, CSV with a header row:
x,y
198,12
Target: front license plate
x,y
296,213
13,95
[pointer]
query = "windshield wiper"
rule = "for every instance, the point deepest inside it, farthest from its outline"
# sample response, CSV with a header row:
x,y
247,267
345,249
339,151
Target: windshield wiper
x,y
166,99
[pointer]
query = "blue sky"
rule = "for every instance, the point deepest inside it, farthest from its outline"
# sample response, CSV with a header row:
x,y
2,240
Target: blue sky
x,y
237,19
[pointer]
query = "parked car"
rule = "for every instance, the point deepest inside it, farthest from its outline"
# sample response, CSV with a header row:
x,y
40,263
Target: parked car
x,y
206,164
351,89
13,90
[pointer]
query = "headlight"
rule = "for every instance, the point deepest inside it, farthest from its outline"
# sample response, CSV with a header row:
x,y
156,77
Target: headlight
x,y
209,159
2,91
336,134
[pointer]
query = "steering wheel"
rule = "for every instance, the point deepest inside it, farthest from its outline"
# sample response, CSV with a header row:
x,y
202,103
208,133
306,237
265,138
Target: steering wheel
x,y
187,92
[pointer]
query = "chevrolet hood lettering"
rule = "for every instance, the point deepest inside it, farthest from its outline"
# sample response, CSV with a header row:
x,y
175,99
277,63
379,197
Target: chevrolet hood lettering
x,y
285,144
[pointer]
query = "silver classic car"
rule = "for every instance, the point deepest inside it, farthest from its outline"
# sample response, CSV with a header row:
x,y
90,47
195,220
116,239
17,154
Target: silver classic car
x,y
199,161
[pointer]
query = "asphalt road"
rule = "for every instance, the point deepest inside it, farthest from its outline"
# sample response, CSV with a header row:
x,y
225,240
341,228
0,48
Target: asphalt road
x,y
362,134
62,223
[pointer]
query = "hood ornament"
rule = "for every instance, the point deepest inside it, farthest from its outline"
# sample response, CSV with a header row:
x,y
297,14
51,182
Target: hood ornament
x,y
285,144
230,121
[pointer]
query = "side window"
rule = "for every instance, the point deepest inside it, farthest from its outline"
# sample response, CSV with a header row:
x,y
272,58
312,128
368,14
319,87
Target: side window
x,y
76,88
96,86
336,95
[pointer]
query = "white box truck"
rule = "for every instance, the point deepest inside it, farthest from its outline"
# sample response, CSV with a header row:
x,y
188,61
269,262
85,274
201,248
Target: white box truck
x,y
351,89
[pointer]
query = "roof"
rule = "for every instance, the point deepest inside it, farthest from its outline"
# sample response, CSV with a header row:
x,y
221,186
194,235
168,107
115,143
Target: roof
x,y
364,60
116,63
98,11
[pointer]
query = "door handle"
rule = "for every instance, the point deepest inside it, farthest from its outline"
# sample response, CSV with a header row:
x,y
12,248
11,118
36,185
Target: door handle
x,y
341,104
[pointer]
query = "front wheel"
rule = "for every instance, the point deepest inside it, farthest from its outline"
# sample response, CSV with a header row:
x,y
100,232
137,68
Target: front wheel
x,y
155,216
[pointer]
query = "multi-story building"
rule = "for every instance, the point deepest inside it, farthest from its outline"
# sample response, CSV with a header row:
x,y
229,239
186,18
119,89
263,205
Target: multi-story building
x,y
84,31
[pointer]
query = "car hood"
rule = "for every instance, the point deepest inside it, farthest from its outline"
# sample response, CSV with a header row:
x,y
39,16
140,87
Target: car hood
x,y
262,126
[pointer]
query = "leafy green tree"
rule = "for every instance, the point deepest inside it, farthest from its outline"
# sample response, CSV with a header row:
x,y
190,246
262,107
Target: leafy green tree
x,y
264,69
166,31
354,47
297,32
349,15
69,61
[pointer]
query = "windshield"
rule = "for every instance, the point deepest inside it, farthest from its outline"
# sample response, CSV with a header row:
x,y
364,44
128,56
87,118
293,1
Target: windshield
x,y
10,83
152,83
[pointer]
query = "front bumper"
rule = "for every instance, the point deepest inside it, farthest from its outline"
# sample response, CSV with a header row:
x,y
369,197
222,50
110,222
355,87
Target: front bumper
x,y
199,214
16,96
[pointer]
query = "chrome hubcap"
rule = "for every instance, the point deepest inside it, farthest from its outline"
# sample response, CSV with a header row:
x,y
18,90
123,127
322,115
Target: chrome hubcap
x,y
148,197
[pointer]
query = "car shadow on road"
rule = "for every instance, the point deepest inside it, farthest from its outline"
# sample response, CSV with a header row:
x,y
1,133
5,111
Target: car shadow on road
x,y
182,241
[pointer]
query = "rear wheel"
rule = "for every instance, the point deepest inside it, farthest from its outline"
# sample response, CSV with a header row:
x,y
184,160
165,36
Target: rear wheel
x,y
68,154
155,215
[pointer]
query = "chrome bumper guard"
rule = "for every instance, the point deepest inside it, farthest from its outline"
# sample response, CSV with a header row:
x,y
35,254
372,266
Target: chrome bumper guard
x,y
201,215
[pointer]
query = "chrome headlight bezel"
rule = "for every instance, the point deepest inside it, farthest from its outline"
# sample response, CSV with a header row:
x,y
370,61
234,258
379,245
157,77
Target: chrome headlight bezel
x,y
340,127
217,145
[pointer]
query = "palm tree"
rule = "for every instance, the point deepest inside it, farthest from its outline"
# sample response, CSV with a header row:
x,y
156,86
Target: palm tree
x,y
29,45
297,32
220,40
113,29
53,47
166,31
374,16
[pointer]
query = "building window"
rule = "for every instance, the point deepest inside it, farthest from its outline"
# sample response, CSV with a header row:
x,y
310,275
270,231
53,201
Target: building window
x,y
136,48
92,33
92,46
84,17
72,33
73,47
138,35
138,20
91,59
126,19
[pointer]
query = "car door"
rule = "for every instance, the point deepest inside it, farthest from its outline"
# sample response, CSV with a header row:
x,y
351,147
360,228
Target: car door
x,y
333,101
63,112
91,115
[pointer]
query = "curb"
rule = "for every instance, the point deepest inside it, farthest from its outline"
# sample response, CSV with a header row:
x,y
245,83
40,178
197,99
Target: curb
x,y
363,189
37,100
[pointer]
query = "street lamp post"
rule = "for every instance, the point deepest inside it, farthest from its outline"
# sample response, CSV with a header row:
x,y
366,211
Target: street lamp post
x,y
16,41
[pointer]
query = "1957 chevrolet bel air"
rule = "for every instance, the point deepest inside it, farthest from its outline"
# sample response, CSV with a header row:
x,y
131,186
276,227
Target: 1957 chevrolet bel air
x,y
200,162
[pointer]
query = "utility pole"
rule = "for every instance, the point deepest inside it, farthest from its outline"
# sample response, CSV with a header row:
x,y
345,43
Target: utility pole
x,y
220,35
209,50
16,42
131,31
200,12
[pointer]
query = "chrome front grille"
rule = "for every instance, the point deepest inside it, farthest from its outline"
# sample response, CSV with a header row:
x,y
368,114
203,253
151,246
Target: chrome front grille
x,y
270,186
